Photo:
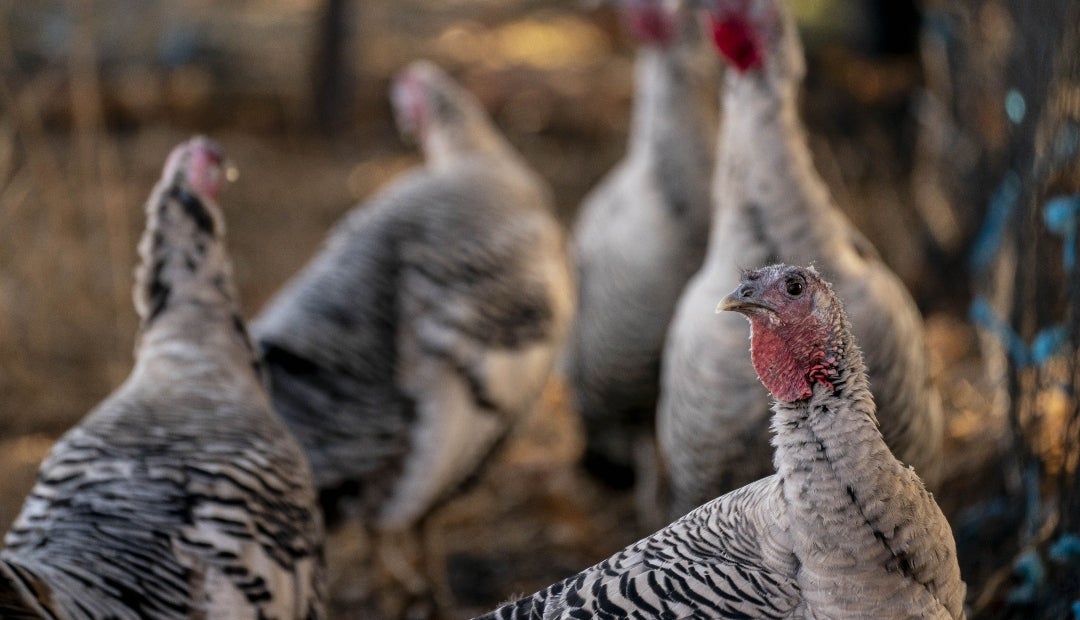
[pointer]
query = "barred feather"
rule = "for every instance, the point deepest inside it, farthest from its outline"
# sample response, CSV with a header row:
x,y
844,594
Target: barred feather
x,y
842,530
181,494
404,352
728,559
772,206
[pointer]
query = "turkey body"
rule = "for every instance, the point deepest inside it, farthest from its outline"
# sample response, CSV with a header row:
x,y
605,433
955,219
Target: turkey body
x,y
841,530
727,559
182,494
771,206
641,234
404,352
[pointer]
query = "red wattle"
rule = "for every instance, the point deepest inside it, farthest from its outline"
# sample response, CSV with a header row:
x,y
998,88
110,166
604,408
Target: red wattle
x,y
791,358
738,42
781,369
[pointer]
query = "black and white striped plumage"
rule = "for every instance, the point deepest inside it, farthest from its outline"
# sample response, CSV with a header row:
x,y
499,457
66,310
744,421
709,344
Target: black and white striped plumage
x,y
771,205
727,559
403,353
842,530
640,235
181,495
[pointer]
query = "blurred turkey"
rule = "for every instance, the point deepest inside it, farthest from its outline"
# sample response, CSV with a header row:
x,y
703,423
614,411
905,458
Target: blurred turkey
x,y
428,324
181,495
842,530
771,205
640,235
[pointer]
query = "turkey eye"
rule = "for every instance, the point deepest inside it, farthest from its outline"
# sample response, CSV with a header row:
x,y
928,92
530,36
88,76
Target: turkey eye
x,y
794,287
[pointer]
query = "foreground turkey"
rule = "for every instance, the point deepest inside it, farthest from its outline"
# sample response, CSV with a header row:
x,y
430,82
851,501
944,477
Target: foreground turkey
x,y
842,530
428,323
639,237
772,206
181,495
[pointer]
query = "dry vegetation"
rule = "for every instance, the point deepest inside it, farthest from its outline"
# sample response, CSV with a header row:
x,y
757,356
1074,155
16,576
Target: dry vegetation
x,y
93,95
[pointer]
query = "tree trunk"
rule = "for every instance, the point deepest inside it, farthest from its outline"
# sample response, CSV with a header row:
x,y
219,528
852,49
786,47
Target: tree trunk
x,y
332,71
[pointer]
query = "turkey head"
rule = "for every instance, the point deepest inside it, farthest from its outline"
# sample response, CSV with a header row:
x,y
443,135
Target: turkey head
x,y
202,162
757,36
444,118
795,328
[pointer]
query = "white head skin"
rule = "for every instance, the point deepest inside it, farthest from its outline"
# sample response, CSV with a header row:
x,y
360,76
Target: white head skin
x,y
445,119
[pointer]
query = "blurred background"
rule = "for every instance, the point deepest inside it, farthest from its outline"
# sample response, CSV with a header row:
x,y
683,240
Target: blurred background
x,y
948,131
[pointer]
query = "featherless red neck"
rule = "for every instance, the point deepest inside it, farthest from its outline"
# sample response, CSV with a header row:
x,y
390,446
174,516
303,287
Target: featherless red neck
x,y
796,329
791,357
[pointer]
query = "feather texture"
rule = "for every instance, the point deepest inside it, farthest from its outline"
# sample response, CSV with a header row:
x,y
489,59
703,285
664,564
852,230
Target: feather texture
x,y
404,352
728,559
639,237
771,206
181,494
841,530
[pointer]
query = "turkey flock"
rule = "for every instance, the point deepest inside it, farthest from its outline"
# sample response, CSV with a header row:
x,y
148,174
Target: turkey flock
x,y
789,469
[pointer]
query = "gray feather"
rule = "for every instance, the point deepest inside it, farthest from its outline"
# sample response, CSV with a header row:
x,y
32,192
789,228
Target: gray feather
x,y
772,206
728,559
640,235
181,494
427,325
842,530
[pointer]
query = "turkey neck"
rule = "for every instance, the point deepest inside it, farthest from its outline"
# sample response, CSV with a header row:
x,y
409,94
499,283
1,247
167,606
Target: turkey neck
x,y
184,290
837,470
674,116
464,134
768,198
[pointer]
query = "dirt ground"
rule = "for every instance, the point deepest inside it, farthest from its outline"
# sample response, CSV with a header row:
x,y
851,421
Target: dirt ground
x,y
556,77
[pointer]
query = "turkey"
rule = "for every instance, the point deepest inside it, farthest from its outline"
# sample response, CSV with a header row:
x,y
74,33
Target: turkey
x,y
640,235
181,495
841,530
771,205
404,352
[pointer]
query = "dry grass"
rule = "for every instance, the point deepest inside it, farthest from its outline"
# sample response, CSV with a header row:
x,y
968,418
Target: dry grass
x,y
82,139
80,148
66,252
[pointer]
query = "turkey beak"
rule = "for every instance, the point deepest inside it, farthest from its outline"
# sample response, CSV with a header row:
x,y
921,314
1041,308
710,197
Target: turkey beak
x,y
744,299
